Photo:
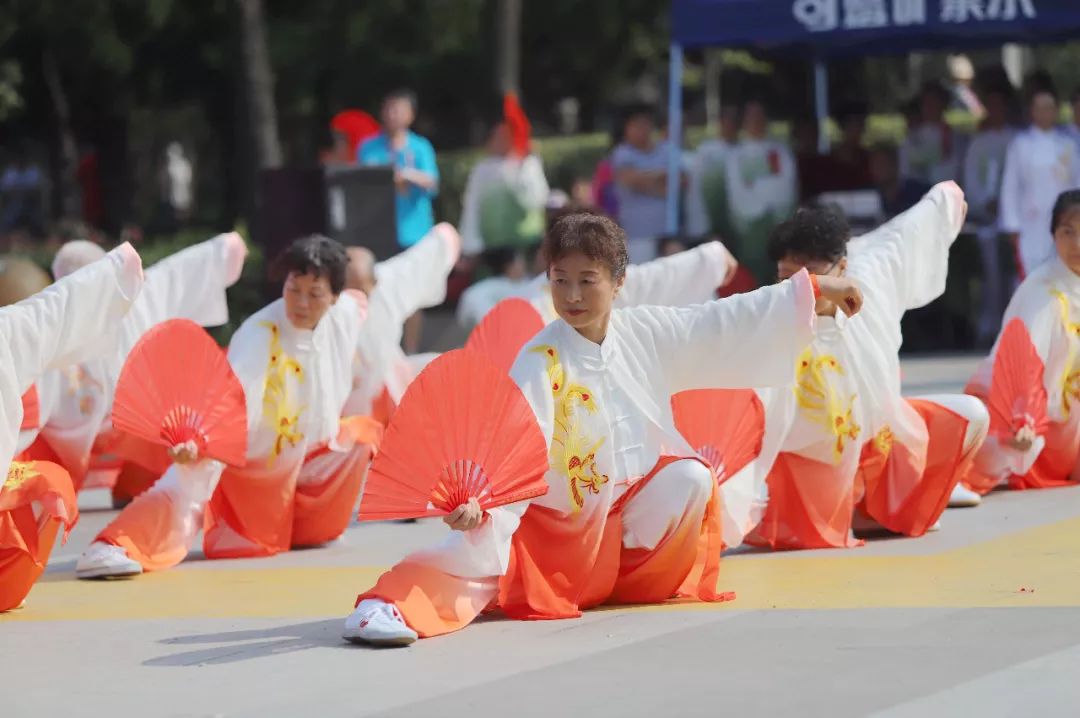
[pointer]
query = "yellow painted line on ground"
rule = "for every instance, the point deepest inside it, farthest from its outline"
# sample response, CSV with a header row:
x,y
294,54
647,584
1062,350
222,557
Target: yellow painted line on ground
x,y
1045,561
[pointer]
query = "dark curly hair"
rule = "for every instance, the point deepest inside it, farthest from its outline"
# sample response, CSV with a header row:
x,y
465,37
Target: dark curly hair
x,y
594,235
318,256
812,234
1066,201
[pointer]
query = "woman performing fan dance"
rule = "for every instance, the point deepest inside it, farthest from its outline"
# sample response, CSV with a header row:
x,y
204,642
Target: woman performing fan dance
x,y
305,464
62,324
1031,381
630,512
75,400
848,440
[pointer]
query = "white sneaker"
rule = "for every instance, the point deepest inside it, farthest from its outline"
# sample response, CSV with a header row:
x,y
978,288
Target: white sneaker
x,y
378,623
103,560
963,497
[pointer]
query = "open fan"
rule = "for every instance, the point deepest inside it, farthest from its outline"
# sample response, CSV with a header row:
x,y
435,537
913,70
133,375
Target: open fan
x,y
177,386
725,426
1017,392
504,330
463,429
31,418
356,125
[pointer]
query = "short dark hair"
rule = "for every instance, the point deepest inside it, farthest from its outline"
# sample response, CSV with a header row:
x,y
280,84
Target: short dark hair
x,y
817,234
402,93
318,256
1067,200
594,235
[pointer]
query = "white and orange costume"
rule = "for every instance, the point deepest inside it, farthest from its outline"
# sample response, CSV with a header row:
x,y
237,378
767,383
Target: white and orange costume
x,y
305,463
843,438
76,400
1048,303
689,277
632,514
405,284
67,322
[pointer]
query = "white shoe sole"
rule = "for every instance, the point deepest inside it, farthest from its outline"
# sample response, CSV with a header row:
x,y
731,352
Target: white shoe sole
x,y
388,642
965,503
108,572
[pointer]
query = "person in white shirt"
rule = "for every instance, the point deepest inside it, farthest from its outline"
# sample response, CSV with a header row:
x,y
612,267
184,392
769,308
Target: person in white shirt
x,y
762,189
504,198
983,169
707,204
1042,162
509,278
931,153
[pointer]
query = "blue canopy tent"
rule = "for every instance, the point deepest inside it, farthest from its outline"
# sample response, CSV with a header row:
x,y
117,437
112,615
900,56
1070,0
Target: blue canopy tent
x,y
827,29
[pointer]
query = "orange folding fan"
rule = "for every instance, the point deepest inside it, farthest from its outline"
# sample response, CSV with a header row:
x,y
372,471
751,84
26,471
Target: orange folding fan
x,y
1017,392
31,408
462,430
502,333
725,426
177,386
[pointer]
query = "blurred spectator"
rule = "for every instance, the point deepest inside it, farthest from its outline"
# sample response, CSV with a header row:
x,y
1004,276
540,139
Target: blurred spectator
x,y
931,153
850,160
762,190
510,277
504,198
963,75
640,165
176,181
815,171
348,130
22,187
1041,163
983,168
707,206
416,174
603,181
581,192
897,193
1073,128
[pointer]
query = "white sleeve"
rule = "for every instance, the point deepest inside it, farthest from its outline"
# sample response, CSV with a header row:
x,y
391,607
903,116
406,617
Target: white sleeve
x,y
191,284
743,342
416,278
908,257
689,277
1009,217
63,324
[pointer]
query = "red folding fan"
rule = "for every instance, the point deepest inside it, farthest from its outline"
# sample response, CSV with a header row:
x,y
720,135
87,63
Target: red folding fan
x,y
462,430
502,333
31,408
177,386
518,124
725,426
1017,392
357,126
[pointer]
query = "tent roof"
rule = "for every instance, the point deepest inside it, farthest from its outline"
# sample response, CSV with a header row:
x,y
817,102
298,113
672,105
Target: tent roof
x,y
863,27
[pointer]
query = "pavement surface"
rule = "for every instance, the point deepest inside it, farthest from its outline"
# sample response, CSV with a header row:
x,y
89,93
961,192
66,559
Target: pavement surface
x,y
981,618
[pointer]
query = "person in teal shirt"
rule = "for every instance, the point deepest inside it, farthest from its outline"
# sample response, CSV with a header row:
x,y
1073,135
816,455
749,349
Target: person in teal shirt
x,y
416,176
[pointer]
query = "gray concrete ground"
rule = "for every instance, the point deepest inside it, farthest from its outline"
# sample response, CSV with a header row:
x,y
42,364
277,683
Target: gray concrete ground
x,y
981,618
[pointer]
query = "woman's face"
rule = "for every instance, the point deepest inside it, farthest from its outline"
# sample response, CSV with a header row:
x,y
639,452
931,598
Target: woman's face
x,y
307,299
1067,238
583,292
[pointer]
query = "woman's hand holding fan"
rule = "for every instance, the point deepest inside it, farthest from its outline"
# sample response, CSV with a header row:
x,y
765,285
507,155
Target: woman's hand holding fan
x,y
465,517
